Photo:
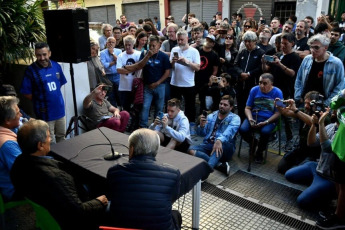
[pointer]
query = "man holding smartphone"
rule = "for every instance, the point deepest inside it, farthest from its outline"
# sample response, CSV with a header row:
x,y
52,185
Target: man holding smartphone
x,y
173,127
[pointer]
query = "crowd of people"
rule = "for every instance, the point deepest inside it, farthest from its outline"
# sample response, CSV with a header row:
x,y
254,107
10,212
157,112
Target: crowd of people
x,y
232,77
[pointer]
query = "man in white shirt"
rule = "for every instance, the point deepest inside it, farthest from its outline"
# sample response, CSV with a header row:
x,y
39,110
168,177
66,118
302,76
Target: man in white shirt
x,y
127,57
185,61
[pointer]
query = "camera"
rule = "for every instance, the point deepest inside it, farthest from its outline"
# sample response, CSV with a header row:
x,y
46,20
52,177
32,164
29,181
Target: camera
x,y
106,87
204,113
281,103
317,104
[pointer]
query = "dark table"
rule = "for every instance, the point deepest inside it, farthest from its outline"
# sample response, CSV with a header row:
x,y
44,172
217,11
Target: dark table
x,y
80,154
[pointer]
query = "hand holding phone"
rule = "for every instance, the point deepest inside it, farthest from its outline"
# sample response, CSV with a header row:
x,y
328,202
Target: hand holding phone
x,y
280,103
204,113
269,58
160,115
176,55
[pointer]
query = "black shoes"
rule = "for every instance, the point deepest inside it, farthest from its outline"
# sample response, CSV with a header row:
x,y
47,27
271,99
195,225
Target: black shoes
x,y
330,222
224,168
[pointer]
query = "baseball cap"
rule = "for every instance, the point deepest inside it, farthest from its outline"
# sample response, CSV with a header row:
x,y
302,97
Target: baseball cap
x,y
8,90
210,36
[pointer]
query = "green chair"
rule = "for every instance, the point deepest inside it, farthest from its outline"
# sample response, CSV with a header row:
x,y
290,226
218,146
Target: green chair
x,y
44,220
276,129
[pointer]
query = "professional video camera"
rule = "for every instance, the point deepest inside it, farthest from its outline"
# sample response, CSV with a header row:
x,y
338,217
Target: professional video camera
x,y
317,104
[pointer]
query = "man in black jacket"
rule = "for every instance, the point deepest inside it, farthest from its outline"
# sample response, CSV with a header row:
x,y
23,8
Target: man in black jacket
x,y
142,191
43,180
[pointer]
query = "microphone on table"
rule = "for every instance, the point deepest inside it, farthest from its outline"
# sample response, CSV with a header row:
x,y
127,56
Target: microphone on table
x,y
111,156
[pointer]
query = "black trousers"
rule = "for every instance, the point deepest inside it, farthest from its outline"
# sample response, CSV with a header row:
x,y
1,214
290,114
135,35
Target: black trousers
x,y
188,93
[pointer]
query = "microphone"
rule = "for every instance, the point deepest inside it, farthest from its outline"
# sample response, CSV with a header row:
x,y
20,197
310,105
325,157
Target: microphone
x,y
110,156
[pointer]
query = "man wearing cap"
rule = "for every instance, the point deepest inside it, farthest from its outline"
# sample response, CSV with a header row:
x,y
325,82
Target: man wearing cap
x,y
101,113
209,62
170,19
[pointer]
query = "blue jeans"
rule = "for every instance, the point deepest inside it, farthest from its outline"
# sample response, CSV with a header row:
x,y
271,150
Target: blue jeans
x,y
265,132
113,95
320,191
157,95
204,151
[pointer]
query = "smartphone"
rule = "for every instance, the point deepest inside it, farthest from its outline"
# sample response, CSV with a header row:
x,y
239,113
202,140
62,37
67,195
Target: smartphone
x,y
269,58
105,87
281,103
176,54
263,22
219,79
222,31
204,113
160,115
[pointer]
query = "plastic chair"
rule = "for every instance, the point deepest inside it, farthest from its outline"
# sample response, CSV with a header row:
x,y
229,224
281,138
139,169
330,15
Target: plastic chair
x,y
277,128
115,228
44,220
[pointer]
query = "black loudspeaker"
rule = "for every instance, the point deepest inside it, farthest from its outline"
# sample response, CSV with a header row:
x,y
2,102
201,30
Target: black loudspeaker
x,y
68,35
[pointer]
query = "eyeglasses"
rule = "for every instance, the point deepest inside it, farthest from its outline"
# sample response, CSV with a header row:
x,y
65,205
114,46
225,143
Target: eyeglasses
x,y
263,83
335,35
217,23
229,37
266,31
247,26
315,47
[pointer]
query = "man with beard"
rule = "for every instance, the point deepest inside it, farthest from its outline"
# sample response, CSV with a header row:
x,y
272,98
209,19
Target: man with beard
x,y
209,62
124,24
264,38
219,129
301,46
287,28
185,61
301,150
336,47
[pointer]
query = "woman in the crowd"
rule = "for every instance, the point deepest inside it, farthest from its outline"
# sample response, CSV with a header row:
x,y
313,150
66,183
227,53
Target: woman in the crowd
x,y
261,115
212,30
141,41
227,55
95,67
249,25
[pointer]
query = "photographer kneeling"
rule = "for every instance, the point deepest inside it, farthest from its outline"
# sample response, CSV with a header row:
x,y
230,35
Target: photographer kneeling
x,y
301,151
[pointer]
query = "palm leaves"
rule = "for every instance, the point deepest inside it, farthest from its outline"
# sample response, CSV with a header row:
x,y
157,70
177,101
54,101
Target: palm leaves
x,y
21,24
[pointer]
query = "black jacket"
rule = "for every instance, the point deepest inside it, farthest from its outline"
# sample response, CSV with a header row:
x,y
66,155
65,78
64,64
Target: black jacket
x,y
250,62
42,180
142,192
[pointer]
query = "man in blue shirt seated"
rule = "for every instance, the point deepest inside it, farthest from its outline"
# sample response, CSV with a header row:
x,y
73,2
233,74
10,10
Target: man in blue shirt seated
x,y
219,130
9,148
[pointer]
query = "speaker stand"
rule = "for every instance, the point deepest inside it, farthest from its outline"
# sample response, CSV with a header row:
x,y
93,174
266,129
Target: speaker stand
x,y
73,123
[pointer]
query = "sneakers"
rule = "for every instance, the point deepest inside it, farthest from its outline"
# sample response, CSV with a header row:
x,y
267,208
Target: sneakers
x,y
330,222
192,128
289,145
224,168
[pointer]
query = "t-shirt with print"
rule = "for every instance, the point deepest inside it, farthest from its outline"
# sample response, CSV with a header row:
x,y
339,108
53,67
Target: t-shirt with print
x,y
264,102
126,80
207,61
183,76
155,67
314,80
214,131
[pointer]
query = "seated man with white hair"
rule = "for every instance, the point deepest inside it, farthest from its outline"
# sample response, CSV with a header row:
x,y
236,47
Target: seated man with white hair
x,y
142,191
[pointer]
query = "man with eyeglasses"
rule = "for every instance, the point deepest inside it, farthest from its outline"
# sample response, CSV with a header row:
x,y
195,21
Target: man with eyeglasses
x,y
264,37
301,46
287,28
107,32
336,47
320,71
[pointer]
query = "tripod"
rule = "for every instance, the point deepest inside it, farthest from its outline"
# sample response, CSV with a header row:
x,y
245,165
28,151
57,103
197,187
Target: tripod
x,y
73,123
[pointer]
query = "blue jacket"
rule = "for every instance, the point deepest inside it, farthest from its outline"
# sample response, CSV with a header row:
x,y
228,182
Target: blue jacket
x,y
142,192
226,131
333,77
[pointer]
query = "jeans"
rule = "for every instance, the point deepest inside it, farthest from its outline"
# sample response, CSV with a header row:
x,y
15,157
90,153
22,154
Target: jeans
x,y
158,95
246,132
204,151
126,100
116,124
320,192
57,129
188,93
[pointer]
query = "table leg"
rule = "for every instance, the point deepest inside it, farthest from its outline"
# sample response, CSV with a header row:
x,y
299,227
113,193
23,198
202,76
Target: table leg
x,y
196,205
